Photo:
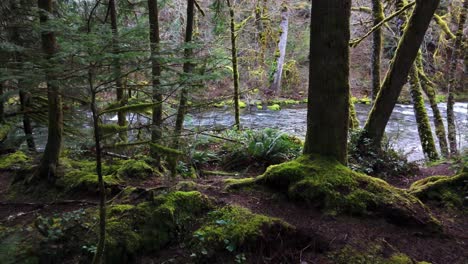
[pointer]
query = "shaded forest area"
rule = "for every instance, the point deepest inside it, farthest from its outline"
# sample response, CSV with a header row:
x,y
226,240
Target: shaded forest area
x,y
106,154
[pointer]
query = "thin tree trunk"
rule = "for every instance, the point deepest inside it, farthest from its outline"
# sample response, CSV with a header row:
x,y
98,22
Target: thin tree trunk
x,y
120,92
25,101
328,101
397,76
100,249
452,132
2,104
422,120
188,69
50,159
429,90
378,16
155,40
281,50
235,70
353,120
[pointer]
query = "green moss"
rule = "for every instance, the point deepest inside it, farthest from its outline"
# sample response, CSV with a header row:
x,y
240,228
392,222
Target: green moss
x,y
234,229
275,107
447,191
334,188
135,169
373,255
14,160
4,130
186,186
81,176
238,183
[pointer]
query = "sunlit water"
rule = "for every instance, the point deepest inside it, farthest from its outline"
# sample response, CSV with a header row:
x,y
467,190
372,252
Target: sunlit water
x,y
401,129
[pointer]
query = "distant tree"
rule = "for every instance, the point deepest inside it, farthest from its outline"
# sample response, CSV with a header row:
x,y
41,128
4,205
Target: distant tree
x,y
456,54
328,102
378,16
397,75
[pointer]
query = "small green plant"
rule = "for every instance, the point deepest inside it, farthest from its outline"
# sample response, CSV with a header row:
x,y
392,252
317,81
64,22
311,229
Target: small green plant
x,y
263,148
381,163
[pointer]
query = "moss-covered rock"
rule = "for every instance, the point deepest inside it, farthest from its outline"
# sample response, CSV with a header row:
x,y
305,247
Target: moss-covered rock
x,y
350,255
235,231
135,169
13,161
334,188
448,191
81,176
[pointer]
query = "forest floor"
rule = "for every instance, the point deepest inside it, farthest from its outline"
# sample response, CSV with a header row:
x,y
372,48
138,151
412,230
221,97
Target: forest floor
x,y
331,233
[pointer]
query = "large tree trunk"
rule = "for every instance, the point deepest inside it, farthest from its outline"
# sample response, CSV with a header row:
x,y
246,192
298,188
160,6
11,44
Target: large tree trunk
x,y
50,159
378,16
328,100
235,70
188,69
2,104
398,73
120,93
429,90
155,40
424,127
281,50
452,133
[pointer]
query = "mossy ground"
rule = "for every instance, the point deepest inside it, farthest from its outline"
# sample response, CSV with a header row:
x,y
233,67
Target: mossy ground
x,y
325,184
14,160
444,190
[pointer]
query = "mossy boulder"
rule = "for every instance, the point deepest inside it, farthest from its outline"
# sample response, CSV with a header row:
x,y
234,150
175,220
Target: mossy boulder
x,y
81,176
350,255
326,184
14,160
135,169
234,231
449,191
150,226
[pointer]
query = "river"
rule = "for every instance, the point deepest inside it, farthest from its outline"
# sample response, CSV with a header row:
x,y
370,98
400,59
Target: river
x,y
401,129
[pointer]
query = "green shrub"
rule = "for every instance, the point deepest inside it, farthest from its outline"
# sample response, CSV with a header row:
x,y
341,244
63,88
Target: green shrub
x,y
362,157
263,148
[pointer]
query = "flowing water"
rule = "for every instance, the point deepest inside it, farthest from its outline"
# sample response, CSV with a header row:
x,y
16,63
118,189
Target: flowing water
x,y
401,129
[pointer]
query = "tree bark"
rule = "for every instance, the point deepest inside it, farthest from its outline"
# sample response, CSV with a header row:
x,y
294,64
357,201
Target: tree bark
x,y
156,69
281,50
396,77
120,91
429,90
50,159
25,101
2,104
188,69
456,53
353,120
235,70
422,120
378,16
328,100
100,249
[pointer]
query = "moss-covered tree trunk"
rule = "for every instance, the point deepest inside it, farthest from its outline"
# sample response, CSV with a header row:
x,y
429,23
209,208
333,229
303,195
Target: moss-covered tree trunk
x,y
155,40
456,53
50,159
397,75
188,69
328,100
422,120
235,69
280,54
120,91
378,16
353,119
429,90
